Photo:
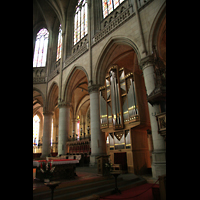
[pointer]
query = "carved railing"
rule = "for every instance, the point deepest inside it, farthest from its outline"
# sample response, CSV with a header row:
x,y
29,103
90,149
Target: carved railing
x,y
114,20
142,3
122,13
56,70
80,45
39,74
77,50
161,118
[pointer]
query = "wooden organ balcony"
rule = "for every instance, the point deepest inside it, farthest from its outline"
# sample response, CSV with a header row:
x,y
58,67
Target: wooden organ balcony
x,y
118,102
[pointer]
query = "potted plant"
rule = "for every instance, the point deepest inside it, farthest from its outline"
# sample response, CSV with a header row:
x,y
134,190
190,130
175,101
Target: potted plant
x,y
108,167
47,170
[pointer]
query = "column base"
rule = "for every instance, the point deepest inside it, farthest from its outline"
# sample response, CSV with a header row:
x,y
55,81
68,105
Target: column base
x,y
158,170
61,149
158,163
93,161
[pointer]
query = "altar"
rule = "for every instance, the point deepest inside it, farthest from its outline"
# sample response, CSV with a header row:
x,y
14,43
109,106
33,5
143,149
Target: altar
x,y
64,168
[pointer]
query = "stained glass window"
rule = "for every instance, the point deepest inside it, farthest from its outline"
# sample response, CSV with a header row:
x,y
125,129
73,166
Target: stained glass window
x,y
80,21
78,127
52,133
40,53
109,6
36,126
59,48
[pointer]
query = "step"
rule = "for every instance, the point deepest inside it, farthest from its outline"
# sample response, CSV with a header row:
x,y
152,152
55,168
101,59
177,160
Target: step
x,y
74,182
64,188
109,191
90,190
102,186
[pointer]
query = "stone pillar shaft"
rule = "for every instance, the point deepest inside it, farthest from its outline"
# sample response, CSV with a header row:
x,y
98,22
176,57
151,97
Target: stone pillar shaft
x,y
159,150
98,145
63,130
46,144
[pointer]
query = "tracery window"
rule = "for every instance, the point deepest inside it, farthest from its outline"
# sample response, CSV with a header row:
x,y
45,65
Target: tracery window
x,y
52,133
109,6
80,21
59,47
40,52
78,127
36,126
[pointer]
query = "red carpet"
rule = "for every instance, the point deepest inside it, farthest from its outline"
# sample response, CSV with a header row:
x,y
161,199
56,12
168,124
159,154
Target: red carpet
x,y
142,192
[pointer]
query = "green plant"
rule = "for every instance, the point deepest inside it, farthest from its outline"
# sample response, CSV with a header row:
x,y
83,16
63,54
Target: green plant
x,y
108,165
47,169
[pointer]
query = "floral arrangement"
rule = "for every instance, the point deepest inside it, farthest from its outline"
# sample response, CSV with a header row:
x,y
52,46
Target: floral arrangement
x,y
47,169
108,168
108,165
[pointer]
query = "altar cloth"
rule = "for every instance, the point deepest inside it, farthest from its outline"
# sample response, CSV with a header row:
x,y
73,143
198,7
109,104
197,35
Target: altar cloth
x,y
64,168
36,163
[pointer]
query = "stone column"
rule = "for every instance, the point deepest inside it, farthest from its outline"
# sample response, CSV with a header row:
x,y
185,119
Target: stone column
x,y
63,129
159,150
46,144
98,145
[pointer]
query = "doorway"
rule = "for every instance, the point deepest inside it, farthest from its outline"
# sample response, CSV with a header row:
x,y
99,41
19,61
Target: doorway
x,y
120,158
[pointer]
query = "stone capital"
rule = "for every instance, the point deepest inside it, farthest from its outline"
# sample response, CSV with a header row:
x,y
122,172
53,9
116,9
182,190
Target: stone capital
x,y
93,88
47,113
63,104
89,3
146,62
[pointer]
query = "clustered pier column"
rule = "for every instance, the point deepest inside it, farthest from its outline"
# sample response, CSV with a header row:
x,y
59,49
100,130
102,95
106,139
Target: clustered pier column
x,y
46,147
64,123
98,143
159,149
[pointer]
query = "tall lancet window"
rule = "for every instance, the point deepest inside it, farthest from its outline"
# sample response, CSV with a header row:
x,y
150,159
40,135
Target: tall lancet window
x,y
109,6
41,44
36,127
59,48
80,21
52,133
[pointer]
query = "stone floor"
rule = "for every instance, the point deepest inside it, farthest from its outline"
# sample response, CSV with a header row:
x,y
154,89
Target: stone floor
x,y
85,173
88,183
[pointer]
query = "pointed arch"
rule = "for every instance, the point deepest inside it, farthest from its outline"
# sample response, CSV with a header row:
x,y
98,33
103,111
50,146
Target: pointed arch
x,y
52,98
155,28
101,65
42,95
41,46
67,93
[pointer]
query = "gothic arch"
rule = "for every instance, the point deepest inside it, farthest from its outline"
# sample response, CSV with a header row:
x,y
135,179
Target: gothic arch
x,y
67,93
52,98
158,25
42,95
101,65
